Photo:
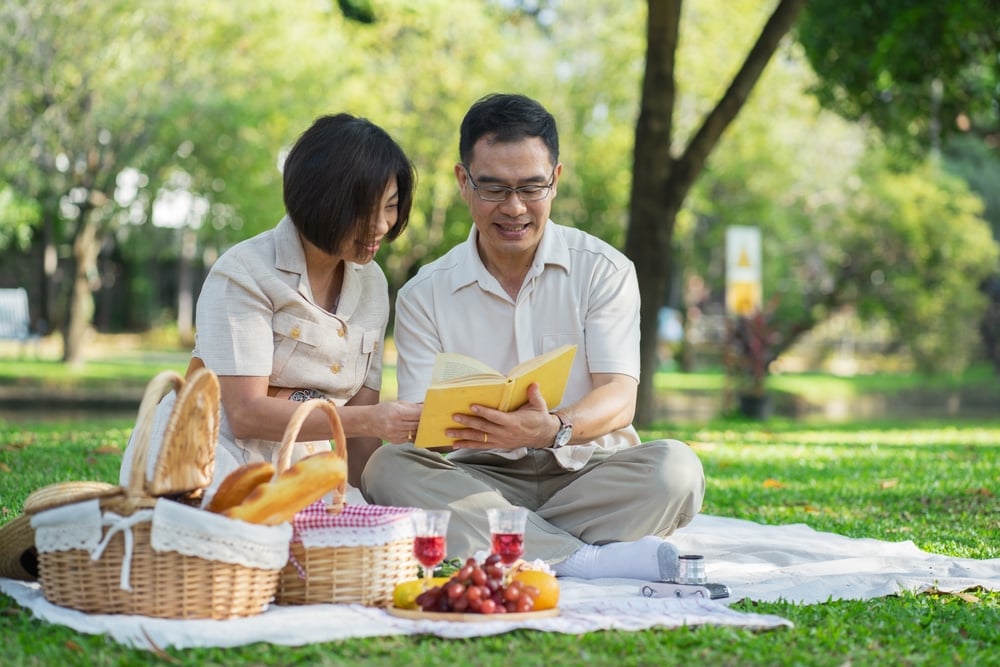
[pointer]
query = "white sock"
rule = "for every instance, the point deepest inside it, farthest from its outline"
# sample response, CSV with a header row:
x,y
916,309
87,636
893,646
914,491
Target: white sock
x,y
651,558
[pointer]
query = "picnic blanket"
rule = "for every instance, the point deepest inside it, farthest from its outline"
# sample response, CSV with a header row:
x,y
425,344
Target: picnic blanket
x,y
759,562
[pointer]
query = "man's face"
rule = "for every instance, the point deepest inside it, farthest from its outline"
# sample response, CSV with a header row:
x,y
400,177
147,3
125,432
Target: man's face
x,y
512,226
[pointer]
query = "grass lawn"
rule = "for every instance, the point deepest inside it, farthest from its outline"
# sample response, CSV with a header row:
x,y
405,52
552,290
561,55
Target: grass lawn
x,y
934,482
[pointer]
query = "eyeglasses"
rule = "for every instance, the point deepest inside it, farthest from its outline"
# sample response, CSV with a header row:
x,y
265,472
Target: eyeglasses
x,y
498,193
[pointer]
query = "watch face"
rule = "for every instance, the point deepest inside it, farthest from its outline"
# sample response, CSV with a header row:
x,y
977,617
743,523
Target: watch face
x,y
563,436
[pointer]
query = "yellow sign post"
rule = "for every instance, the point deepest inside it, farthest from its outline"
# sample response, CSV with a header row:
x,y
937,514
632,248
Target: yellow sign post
x,y
744,294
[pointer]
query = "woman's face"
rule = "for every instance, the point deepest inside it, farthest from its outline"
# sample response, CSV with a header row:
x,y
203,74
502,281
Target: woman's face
x,y
362,249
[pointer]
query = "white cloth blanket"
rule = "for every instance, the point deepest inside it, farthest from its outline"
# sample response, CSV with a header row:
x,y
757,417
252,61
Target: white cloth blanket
x,y
799,564
759,562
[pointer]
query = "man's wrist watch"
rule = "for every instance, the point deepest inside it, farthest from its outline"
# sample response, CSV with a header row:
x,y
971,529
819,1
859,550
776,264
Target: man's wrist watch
x,y
565,432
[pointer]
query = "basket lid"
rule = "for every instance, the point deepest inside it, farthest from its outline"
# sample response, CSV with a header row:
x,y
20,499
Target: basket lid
x,y
64,493
187,456
18,558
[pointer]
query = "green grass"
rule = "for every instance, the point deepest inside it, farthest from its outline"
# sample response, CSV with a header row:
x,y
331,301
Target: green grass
x,y
933,482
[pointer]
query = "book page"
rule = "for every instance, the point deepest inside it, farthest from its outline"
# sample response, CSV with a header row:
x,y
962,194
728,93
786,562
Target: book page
x,y
450,367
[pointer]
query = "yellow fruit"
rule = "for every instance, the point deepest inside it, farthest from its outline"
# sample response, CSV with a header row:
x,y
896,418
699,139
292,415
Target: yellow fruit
x,y
404,595
548,587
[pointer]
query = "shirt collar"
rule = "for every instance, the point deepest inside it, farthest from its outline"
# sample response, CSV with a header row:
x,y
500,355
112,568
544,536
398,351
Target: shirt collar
x,y
552,251
288,252
289,256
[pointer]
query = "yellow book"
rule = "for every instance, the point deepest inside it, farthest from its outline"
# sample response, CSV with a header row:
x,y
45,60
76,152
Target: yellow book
x,y
459,381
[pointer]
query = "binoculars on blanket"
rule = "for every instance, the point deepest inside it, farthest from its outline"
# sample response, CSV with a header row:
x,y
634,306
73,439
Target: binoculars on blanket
x,y
691,582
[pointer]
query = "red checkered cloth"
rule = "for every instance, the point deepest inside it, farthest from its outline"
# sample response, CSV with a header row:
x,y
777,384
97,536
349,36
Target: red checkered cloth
x,y
355,525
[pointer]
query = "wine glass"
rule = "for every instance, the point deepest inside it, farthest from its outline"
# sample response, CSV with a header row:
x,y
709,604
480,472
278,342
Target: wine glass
x,y
430,527
507,533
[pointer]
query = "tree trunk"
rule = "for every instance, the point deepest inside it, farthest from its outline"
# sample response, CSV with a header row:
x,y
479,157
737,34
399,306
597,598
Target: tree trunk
x,y
185,287
86,248
660,182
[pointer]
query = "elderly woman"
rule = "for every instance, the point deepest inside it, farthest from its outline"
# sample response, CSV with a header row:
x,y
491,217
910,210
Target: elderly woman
x,y
300,311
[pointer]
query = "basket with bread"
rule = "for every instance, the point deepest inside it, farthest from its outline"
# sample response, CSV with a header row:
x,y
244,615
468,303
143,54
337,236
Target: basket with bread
x,y
148,547
340,553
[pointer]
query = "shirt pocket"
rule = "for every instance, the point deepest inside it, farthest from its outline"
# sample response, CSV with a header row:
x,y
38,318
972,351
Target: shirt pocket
x,y
579,382
369,352
295,338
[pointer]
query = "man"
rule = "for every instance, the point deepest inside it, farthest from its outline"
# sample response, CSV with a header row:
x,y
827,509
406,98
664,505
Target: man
x,y
519,286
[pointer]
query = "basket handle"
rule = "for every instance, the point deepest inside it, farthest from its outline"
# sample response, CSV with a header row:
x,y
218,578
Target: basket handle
x,y
161,384
292,432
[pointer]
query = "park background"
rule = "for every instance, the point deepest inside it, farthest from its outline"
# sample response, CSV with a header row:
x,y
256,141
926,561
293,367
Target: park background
x,y
139,140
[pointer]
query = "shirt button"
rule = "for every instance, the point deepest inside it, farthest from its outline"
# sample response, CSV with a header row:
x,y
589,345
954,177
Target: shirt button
x,y
335,368
342,332
375,347
295,333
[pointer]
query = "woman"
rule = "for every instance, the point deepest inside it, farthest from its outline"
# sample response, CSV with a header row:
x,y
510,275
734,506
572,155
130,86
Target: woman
x,y
301,310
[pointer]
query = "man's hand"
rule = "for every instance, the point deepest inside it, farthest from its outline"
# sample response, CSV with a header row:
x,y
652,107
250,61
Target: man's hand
x,y
531,425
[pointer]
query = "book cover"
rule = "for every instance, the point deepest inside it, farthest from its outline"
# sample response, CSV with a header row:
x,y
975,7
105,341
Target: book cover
x,y
459,381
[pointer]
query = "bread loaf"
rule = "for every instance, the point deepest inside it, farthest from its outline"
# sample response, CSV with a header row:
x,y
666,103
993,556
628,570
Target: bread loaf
x,y
302,484
238,484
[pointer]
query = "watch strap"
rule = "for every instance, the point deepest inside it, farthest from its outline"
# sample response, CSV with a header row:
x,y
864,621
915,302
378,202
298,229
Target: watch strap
x,y
565,432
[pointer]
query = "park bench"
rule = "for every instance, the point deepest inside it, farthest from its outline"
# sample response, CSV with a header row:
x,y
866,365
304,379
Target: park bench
x,y
15,320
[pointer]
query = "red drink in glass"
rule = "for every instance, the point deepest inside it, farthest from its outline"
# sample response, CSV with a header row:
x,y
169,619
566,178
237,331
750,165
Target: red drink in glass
x,y
509,546
429,550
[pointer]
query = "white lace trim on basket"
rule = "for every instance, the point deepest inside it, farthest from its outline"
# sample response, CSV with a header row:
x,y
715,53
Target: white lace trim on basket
x,y
175,527
195,532
353,526
74,526
356,537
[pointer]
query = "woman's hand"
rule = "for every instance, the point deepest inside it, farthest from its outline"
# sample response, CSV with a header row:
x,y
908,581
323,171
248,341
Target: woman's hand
x,y
398,420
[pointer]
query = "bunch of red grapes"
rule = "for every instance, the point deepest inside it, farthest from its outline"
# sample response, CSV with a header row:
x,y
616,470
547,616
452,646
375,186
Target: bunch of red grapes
x,y
479,589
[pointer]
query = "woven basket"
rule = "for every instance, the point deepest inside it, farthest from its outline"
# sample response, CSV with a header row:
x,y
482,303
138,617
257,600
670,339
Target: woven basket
x,y
366,549
127,574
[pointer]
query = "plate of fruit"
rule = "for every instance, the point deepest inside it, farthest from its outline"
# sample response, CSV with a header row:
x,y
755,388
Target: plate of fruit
x,y
480,592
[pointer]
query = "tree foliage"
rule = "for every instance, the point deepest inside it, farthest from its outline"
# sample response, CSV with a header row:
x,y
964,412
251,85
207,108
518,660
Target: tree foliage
x,y
112,111
920,70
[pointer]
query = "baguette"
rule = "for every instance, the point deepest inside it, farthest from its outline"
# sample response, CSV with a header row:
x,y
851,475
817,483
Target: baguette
x,y
238,484
301,485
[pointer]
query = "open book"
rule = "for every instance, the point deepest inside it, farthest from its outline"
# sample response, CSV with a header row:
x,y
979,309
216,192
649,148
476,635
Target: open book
x,y
459,381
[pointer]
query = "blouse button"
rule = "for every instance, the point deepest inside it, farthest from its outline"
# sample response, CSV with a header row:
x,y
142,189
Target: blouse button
x,y
335,368
342,332
295,332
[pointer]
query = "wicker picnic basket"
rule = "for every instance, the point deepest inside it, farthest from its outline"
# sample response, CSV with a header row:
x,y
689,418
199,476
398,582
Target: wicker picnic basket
x,y
161,555
343,553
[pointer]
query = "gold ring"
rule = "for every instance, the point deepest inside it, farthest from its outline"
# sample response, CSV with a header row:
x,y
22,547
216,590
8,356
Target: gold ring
x,y
486,438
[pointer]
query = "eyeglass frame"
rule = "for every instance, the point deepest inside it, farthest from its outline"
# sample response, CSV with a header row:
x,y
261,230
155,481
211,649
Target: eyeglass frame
x,y
509,190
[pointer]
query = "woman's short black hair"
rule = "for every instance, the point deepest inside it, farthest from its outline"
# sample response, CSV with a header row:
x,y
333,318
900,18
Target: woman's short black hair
x,y
335,177
509,118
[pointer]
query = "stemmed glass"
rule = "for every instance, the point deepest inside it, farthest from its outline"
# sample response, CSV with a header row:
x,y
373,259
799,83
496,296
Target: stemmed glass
x,y
430,527
507,533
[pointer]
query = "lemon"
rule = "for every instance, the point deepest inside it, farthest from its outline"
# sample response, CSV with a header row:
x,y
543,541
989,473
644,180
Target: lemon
x,y
548,587
404,595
